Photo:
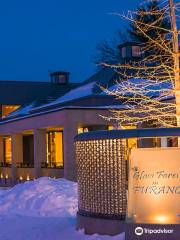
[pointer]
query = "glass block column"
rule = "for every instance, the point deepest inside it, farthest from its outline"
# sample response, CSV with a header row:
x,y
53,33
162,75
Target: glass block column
x,y
101,170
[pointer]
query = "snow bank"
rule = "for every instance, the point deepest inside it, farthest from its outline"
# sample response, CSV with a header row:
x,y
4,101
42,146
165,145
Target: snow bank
x,y
42,197
44,209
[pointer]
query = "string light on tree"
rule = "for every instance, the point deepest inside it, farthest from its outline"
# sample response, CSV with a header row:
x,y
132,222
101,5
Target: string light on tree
x,y
151,89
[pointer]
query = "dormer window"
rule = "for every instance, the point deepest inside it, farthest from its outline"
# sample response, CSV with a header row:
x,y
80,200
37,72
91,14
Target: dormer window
x,y
130,51
59,77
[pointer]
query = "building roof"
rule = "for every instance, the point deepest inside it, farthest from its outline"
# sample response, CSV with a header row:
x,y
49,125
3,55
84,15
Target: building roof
x,y
104,76
38,97
90,88
24,92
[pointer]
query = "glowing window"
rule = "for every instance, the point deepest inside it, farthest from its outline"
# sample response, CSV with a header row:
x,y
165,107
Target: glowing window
x,y
55,149
7,150
110,127
7,109
136,51
80,130
132,142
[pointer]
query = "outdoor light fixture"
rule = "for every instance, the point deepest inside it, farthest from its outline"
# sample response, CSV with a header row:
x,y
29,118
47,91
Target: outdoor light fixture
x,y
161,219
20,178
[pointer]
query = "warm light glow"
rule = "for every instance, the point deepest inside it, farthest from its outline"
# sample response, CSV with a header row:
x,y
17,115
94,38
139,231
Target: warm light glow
x,y
86,129
110,127
128,127
7,176
132,142
1,175
161,219
7,150
154,186
21,178
55,149
28,178
7,109
80,130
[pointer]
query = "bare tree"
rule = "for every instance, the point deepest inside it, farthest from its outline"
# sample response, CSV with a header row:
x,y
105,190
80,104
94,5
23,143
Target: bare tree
x,y
108,51
151,91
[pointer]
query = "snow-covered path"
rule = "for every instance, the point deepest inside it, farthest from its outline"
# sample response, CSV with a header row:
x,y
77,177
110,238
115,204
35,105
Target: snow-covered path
x,y
44,209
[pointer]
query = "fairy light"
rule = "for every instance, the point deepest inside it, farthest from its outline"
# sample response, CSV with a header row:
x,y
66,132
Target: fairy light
x,y
20,178
153,96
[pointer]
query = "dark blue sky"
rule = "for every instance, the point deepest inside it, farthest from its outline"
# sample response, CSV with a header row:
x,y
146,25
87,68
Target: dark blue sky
x,y
41,35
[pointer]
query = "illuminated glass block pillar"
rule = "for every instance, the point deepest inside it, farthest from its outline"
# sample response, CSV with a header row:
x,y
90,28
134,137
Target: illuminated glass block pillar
x,y
153,179
102,181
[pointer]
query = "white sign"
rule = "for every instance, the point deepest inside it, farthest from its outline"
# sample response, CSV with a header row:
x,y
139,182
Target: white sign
x,y
154,186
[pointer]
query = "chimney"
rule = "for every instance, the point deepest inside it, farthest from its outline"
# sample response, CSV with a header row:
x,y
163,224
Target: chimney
x,y
59,77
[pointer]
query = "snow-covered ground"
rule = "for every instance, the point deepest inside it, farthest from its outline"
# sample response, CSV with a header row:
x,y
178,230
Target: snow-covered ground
x,y
44,209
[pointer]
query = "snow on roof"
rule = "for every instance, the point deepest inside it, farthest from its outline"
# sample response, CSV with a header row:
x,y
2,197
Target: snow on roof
x,y
82,91
151,88
113,88
79,92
